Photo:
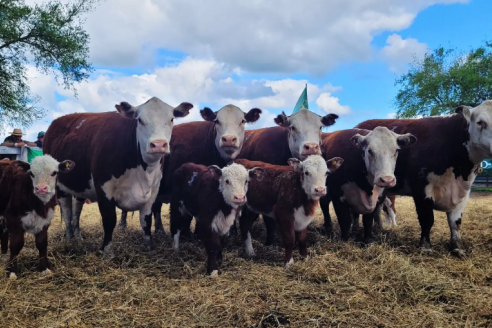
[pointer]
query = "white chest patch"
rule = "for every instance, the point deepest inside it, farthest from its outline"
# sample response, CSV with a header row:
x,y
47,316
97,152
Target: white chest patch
x,y
221,223
358,199
33,223
301,220
447,191
134,188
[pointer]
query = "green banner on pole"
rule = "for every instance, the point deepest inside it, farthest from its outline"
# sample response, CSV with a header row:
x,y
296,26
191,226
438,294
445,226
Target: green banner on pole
x,y
31,153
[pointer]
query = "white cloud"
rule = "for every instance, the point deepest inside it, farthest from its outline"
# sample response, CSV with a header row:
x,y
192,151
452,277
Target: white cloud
x,y
400,52
391,116
259,36
331,104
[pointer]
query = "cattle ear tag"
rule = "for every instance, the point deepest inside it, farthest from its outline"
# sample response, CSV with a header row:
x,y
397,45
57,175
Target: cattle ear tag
x,y
67,165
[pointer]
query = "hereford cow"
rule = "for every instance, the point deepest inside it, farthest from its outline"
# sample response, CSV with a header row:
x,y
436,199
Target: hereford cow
x,y
289,195
439,171
27,201
370,159
213,196
297,136
118,158
217,141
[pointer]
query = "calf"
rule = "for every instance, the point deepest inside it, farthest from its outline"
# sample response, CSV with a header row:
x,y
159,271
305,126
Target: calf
x,y
289,195
27,201
213,196
370,164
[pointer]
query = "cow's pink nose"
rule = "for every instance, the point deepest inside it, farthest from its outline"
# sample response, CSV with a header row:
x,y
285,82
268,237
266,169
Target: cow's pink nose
x,y
320,191
387,181
310,149
41,189
240,199
229,141
158,147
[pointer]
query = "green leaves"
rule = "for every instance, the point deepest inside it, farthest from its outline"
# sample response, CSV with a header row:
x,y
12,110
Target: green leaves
x,y
50,37
443,80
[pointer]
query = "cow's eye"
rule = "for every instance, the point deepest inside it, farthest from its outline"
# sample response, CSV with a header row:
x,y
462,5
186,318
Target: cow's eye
x,y
327,172
292,128
228,182
54,173
172,120
243,122
306,173
217,122
30,173
140,121
370,152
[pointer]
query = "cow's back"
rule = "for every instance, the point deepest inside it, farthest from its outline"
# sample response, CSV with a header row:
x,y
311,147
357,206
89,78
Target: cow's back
x,y
269,145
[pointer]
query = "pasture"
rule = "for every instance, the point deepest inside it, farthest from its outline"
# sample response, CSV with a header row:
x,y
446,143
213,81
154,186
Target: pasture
x,y
389,284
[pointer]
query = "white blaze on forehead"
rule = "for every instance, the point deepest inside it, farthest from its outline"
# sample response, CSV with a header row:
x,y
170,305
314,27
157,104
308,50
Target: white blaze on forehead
x,y
305,128
317,170
234,182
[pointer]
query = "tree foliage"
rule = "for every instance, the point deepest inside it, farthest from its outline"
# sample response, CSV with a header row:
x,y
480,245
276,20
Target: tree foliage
x,y
48,36
443,80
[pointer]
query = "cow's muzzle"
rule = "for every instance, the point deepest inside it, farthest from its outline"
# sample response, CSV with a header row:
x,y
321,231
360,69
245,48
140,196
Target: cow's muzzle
x,y
239,199
310,148
386,181
41,189
158,147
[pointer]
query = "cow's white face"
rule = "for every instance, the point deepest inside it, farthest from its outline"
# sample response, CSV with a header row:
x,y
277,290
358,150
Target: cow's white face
x,y
43,172
380,151
233,182
230,122
155,123
305,131
313,171
480,128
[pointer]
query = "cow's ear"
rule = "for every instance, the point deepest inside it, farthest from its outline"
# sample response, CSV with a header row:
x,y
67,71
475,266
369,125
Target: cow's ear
x,y
406,140
126,110
334,164
357,140
215,170
66,166
329,119
255,172
208,114
282,120
465,111
253,115
295,163
21,165
182,110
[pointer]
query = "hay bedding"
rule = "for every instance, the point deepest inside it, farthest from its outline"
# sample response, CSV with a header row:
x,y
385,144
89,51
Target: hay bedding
x,y
389,284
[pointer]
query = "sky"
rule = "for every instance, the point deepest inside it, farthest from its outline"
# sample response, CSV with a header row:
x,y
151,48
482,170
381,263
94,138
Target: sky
x,y
260,53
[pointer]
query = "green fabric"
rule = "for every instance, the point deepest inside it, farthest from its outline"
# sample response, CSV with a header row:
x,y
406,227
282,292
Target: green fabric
x,y
302,103
31,153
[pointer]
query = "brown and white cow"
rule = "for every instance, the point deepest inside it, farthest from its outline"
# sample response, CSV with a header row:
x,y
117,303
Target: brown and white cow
x,y
370,159
27,201
118,158
213,196
438,172
217,141
289,195
296,136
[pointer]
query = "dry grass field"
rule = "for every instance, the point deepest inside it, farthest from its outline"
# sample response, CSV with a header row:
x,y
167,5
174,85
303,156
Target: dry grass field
x,y
389,284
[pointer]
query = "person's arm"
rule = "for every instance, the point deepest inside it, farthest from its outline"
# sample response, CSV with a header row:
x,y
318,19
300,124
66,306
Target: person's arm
x,y
30,144
7,144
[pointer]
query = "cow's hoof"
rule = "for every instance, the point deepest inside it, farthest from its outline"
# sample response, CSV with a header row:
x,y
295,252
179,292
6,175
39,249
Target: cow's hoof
x,y
46,272
459,253
214,274
289,264
13,276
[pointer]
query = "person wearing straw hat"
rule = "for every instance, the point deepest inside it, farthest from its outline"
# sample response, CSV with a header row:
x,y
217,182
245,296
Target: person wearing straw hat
x,y
15,140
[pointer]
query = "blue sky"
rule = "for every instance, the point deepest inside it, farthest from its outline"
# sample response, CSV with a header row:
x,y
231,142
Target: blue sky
x,y
261,54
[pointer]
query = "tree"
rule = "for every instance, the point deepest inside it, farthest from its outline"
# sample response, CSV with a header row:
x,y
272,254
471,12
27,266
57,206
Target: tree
x,y
443,80
48,36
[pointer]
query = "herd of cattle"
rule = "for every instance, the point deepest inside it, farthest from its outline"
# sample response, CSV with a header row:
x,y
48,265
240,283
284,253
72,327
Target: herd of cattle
x,y
217,172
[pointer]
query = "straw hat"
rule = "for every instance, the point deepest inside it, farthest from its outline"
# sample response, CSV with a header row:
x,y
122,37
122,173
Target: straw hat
x,y
17,132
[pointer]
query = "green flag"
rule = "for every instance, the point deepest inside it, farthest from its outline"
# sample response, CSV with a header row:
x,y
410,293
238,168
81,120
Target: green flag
x,y
302,103
31,153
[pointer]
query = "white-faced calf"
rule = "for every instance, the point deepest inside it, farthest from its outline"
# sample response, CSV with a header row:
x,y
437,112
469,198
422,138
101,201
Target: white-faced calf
x,y
213,196
27,200
289,194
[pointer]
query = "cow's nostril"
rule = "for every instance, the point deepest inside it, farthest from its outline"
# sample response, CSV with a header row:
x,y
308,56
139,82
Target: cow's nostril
x,y
164,145
306,147
234,139
152,145
224,139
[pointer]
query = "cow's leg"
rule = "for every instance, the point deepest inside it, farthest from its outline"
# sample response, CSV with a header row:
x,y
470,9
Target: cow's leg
x,y
270,230
213,246
367,220
156,210
324,203
377,215
176,221
303,243
344,217
42,246
425,215
108,214
65,201
246,221
355,221
123,224
287,234
16,245
454,221
77,205
4,235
